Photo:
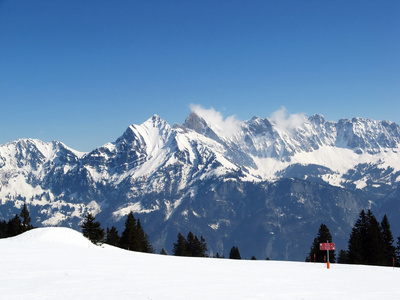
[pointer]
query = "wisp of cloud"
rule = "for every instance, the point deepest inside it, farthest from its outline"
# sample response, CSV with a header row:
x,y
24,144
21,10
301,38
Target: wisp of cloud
x,y
223,127
287,123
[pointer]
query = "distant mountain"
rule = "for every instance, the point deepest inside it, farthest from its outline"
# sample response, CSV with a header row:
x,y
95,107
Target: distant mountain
x,y
262,186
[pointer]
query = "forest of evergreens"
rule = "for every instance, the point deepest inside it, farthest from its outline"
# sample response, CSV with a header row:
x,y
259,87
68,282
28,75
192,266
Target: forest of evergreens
x,y
370,243
17,225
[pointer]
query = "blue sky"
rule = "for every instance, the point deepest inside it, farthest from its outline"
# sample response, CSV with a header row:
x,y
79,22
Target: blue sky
x,y
81,72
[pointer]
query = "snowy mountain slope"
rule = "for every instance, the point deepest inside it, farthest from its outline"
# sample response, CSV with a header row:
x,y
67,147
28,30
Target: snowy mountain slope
x,y
263,148
60,263
213,178
25,168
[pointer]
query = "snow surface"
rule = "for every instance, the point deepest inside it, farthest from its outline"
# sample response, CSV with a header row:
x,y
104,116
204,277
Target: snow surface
x,y
337,159
59,263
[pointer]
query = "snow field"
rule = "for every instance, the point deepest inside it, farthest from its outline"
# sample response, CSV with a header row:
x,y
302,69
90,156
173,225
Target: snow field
x,y
59,263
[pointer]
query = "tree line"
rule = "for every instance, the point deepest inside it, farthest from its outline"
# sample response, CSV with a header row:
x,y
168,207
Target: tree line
x,y
136,239
133,237
17,225
370,243
191,246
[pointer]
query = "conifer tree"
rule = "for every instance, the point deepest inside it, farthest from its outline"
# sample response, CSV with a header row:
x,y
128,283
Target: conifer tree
x,y
26,219
3,229
112,237
190,244
134,237
342,257
196,247
180,247
203,247
129,237
366,244
14,226
92,230
355,253
163,252
234,253
143,239
389,251
324,236
374,246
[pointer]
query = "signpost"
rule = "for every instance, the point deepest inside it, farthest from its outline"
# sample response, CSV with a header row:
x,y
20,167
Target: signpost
x,y
328,247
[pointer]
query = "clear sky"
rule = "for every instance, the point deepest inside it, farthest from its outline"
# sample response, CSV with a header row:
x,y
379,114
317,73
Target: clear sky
x,y
81,72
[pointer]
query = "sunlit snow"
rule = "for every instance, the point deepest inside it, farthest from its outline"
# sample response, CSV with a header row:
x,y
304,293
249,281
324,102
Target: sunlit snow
x,y
59,263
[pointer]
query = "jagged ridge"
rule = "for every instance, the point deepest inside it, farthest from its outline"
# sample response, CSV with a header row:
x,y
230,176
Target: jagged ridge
x,y
163,174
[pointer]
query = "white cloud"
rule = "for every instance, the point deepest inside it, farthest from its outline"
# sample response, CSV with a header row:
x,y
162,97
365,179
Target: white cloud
x,y
287,123
223,127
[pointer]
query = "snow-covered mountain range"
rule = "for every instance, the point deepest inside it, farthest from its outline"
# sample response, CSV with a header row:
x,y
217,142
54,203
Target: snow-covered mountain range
x,y
262,185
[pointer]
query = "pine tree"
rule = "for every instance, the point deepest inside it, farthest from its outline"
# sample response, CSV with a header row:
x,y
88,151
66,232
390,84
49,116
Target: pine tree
x,y
398,252
129,237
374,246
355,253
234,253
163,252
26,219
342,257
92,230
366,243
192,246
180,247
324,236
14,226
203,247
389,251
112,237
196,247
3,229
143,239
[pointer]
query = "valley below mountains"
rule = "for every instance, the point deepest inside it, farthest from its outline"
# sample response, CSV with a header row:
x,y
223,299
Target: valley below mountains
x,y
261,185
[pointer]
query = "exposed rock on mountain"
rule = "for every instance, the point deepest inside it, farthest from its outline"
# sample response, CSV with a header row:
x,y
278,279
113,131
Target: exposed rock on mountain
x,y
263,186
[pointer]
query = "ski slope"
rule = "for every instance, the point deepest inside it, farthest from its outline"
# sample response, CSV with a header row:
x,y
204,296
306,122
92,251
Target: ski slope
x,y
59,263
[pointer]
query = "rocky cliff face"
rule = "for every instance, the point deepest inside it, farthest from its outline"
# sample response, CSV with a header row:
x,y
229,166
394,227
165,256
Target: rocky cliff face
x,y
263,187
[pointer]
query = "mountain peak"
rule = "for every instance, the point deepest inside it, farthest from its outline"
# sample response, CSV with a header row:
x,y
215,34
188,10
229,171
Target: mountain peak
x,y
156,121
317,118
152,126
193,121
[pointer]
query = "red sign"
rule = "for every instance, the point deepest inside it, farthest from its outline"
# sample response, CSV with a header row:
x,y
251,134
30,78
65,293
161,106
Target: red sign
x,y
327,246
